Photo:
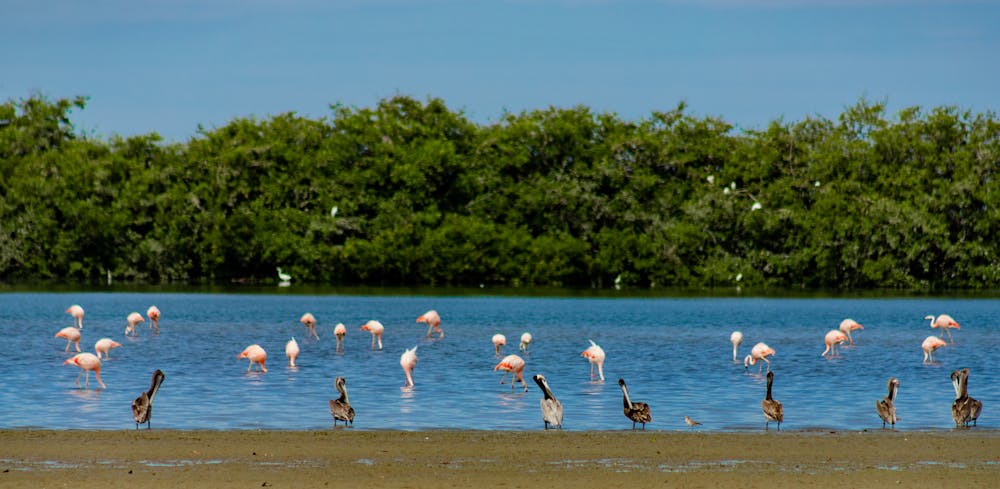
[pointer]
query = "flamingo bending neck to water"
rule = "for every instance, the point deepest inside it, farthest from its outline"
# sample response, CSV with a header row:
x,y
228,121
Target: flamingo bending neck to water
x,y
256,355
87,362
759,352
736,339
834,338
77,313
930,344
408,360
514,365
71,334
376,330
595,355
849,325
433,321
309,321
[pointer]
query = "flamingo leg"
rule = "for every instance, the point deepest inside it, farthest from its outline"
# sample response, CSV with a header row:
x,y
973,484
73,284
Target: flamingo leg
x,y
505,376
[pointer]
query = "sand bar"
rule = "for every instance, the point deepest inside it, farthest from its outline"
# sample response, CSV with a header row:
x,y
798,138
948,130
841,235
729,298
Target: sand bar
x,y
355,458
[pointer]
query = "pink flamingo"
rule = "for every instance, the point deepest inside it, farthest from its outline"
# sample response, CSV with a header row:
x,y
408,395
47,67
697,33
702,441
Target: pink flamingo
x,y
930,344
133,320
849,325
255,354
376,330
736,338
512,364
292,351
87,362
760,351
71,335
433,322
153,313
944,322
77,313
595,355
408,360
499,341
833,339
525,342
340,331
104,345
310,322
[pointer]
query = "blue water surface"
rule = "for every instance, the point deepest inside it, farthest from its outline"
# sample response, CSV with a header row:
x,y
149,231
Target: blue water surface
x,y
673,352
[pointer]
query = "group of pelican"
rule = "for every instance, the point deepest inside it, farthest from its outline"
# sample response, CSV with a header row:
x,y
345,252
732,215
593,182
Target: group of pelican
x,y
142,406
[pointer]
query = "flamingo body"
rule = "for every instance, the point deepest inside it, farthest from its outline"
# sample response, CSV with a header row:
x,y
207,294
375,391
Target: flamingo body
x,y
526,339
847,326
133,320
736,339
499,341
340,331
87,362
153,313
104,346
376,329
292,351
759,352
309,321
944,322
256,355
834,338
514,365
433,321
595,355
930,344
408,360
77,313
72,336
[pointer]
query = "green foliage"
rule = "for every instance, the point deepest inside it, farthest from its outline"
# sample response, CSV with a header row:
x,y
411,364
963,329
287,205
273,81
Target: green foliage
x,y
549,197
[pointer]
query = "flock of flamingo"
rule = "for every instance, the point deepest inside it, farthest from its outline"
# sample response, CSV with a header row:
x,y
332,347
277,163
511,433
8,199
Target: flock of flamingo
x,y
965,409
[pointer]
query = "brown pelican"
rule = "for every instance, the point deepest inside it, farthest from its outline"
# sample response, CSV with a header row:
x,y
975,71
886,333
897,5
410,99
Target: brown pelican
x,y
772,408
965,409
886,407
552,410
341,408
142,406
638,412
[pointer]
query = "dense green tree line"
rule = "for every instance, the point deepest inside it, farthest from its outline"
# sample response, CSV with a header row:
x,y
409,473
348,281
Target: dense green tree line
x,y
548,197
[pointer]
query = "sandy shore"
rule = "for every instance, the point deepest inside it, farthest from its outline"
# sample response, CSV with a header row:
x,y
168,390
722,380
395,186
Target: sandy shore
x,y
350,458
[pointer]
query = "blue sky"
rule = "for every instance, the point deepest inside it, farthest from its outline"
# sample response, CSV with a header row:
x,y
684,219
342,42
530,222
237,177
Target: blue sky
x,y
168,66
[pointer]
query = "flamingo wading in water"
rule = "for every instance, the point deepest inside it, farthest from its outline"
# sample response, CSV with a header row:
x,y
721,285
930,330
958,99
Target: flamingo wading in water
x,y
514,365
340,331
637,412
944,322
499,341
408,360
886,407
759,352
526,339
153,313
104,345
87,362
77,313
376,330
595,355
433,321
736,339
552,409
71,334
292,351
255,354
142,406
849,325
309,321
930,344
133,320
340,408
834,338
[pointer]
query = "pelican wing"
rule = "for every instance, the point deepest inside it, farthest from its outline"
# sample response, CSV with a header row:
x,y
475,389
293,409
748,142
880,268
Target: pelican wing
x,y
773,410
342,411
886,410
639,412
552,412
141,408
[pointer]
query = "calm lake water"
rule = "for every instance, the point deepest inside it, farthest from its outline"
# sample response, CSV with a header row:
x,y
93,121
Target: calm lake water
x,y
673,352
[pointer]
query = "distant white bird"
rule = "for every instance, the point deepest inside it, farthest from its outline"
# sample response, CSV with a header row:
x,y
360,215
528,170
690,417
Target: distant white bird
x,y
333,211
710,178
756,206
284,277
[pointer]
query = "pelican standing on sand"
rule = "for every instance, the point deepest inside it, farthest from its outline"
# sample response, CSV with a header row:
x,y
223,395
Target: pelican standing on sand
x,y
153,313
142,406
834,338
944,322
886,407
433,321
759,352
965,409
77,313
849,325
133,320
340,331
552,409
637,412
340,408
309,321
408,360
255,354
71,334
930,344
104,345
514,365
376,329
771,407
292,351
87,362
736,338
595,355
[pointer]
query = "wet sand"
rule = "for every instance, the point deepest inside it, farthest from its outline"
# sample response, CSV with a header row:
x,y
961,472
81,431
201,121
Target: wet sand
x,y
375,459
